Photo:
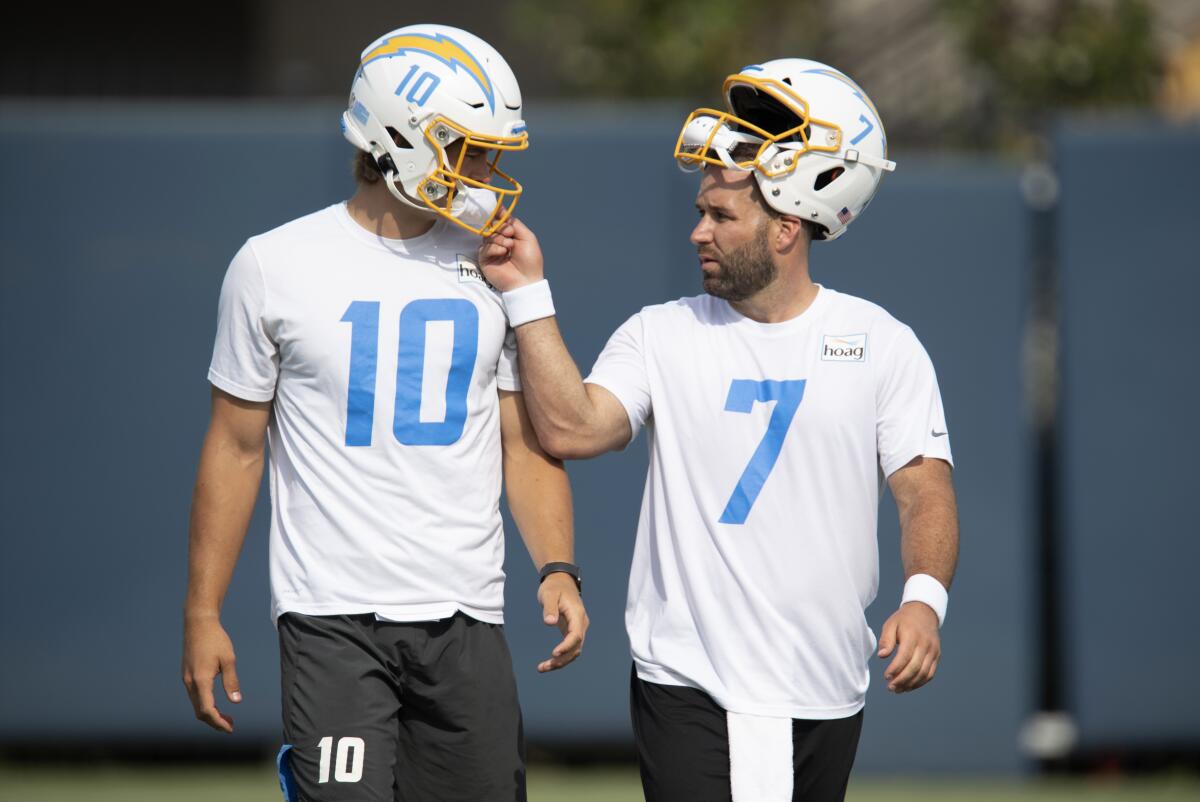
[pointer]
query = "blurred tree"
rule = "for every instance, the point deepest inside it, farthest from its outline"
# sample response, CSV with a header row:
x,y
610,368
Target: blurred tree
x,y
971,73
1033,58
661,48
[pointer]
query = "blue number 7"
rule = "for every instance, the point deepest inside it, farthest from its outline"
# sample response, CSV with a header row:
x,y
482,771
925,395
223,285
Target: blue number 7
x,y
742,395
862,118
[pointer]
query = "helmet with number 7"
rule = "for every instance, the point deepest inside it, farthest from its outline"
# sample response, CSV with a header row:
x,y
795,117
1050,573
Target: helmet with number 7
x,y
419,89
818,148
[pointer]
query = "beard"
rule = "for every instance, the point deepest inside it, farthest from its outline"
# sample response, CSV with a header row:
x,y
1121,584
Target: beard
x,y
744,271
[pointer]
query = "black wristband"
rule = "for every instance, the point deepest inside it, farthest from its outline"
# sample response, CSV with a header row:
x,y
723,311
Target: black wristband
x,y
562,568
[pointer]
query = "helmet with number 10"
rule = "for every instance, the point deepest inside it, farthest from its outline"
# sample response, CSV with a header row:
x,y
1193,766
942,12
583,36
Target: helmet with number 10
x,y
418,90
817,144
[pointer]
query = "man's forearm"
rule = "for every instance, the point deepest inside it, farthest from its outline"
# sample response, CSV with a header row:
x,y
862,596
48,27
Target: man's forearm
x,y
929,535
555,395
539,496
223,500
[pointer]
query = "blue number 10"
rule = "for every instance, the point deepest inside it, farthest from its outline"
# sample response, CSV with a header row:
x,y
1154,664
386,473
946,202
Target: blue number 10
x,y
742,395
409,429
428,82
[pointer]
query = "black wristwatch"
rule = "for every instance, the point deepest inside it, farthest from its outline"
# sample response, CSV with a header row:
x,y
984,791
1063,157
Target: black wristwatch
x,y
562,568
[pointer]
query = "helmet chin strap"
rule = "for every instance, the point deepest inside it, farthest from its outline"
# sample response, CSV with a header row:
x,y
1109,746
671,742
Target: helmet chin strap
x,y
869,160
392,181
387,166
393,185
851,157
728,161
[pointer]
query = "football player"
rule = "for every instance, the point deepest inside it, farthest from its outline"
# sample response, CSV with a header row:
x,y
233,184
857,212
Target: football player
x,y
775,408
364,345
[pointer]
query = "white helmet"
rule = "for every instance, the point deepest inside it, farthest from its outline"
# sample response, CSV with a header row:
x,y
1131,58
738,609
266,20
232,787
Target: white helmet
x,y
420,88
821,148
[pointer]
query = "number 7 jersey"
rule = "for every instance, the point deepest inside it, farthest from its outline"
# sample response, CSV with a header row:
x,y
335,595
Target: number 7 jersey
x,y
756,553
382,359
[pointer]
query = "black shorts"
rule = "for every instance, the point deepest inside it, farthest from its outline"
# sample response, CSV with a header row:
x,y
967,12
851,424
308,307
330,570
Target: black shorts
x,y
683,748
375,711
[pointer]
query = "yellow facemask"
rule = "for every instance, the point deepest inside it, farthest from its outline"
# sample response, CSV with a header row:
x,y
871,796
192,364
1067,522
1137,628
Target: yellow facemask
x,y
808,135
439,191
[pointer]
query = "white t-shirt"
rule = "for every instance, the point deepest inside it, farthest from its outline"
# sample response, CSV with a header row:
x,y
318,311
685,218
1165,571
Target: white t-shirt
x,y
383,359
756,552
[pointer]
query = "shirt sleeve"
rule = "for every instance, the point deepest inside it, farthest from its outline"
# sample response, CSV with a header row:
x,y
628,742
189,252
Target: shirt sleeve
x,y
910,421
621,369
245,360
508,377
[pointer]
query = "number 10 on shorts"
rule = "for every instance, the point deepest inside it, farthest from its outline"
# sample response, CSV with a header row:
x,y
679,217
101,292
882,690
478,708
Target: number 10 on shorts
x,y
347,763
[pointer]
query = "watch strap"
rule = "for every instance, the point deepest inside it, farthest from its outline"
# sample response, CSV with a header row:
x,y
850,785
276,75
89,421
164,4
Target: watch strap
x,y
562,568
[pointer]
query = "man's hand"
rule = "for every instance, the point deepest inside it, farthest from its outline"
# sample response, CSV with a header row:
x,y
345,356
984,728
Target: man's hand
x,y
207,651
914,628
562,606
511,257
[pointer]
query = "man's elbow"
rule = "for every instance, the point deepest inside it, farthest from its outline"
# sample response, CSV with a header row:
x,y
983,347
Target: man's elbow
x,y
565,444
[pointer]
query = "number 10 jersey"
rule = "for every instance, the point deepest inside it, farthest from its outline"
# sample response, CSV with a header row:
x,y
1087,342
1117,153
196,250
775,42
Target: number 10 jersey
x,y
756,551
383,359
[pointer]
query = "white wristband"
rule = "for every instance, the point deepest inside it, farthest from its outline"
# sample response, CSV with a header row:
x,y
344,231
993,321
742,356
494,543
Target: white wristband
x,y
926,589
528,303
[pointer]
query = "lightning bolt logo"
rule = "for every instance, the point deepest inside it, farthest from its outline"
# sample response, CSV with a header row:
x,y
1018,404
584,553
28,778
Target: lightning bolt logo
x,y
441,47
837,76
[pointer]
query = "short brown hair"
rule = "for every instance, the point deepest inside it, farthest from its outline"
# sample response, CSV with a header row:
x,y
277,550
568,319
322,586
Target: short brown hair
x,y
366,169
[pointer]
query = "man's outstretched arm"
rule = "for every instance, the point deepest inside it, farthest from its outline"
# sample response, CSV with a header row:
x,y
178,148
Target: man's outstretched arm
x,y
231,466
924,496
573,420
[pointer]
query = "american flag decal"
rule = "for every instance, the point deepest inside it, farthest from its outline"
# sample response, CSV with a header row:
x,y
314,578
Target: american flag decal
x,y
845,215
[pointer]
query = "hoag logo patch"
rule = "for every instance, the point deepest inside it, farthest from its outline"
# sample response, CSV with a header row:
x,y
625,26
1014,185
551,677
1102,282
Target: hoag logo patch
x,y
469,271
844,348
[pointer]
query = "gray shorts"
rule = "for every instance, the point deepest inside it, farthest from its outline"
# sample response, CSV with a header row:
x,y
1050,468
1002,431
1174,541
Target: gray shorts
x,y
375,711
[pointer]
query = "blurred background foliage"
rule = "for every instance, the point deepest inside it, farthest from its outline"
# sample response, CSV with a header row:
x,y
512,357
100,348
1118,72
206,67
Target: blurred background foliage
x,y
997,66
662,48
945,74
1030,59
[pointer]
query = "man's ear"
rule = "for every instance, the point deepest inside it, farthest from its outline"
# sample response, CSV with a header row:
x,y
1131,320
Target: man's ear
x,y
789,233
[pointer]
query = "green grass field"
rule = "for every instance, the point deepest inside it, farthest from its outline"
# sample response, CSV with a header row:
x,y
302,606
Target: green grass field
x,y
546,784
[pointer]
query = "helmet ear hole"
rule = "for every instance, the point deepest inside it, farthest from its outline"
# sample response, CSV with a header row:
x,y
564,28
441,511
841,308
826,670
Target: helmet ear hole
x,y
399,139
826,178
386,165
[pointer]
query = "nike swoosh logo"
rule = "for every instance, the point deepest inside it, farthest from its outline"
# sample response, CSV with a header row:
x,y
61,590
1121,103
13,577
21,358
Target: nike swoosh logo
x,y
937,434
